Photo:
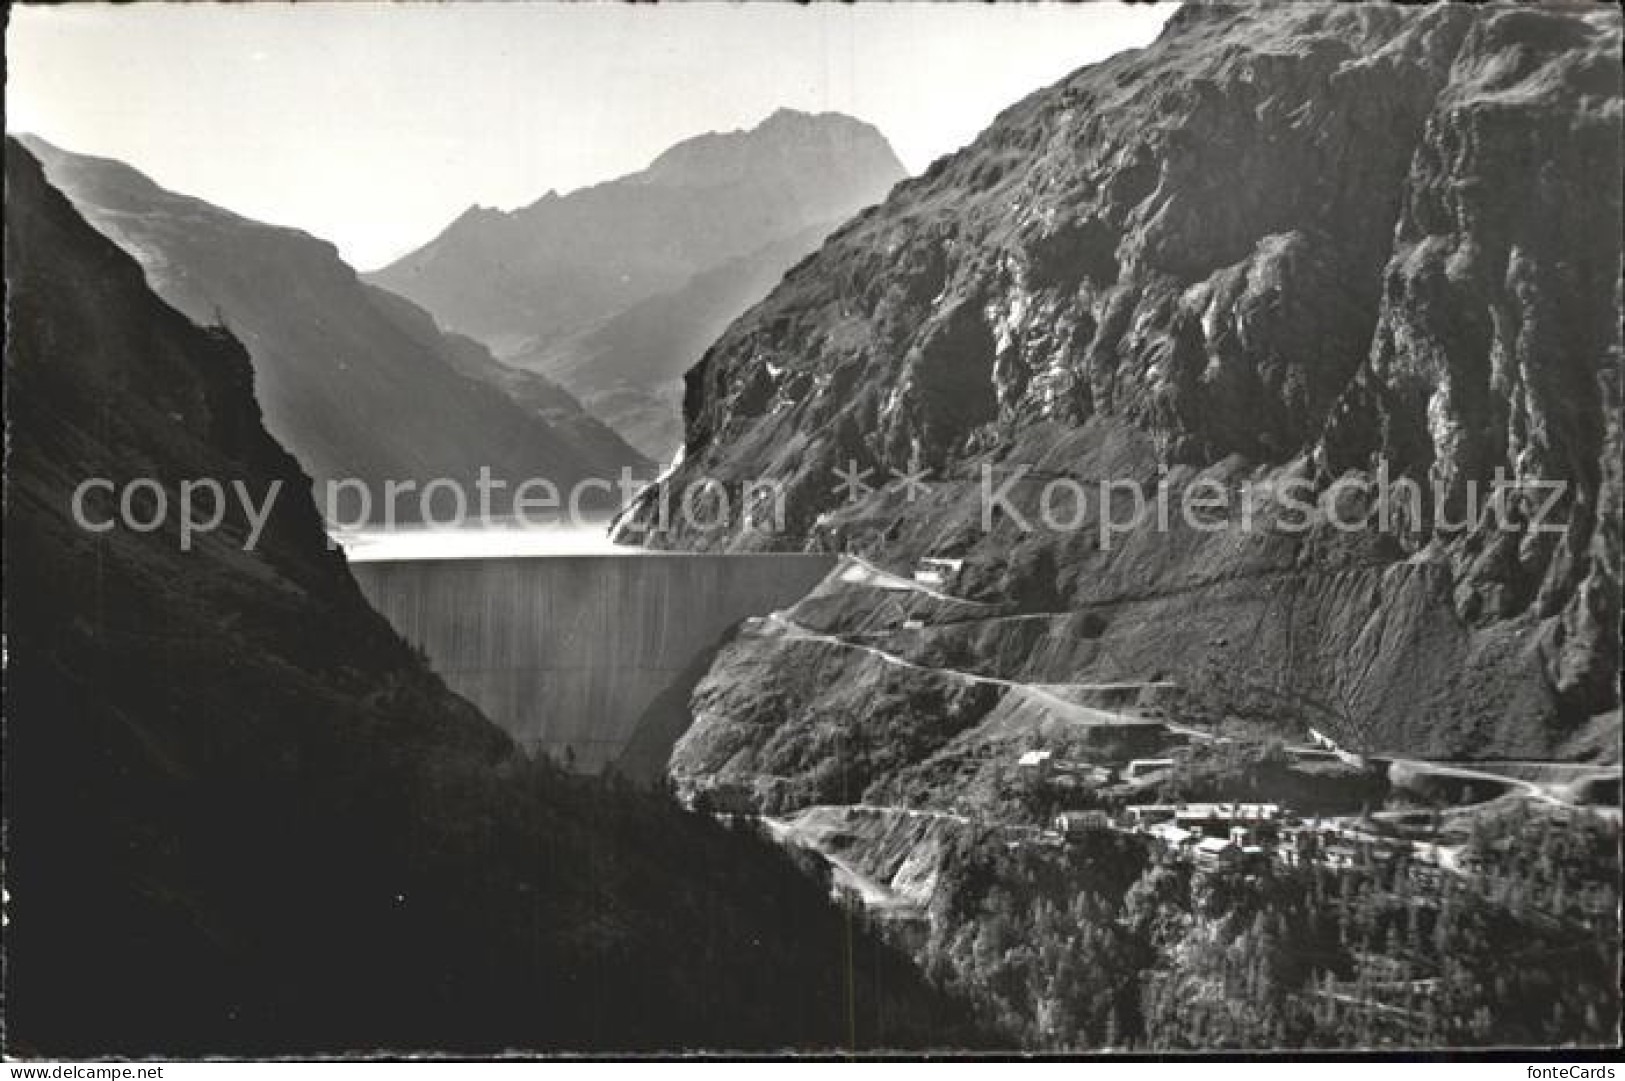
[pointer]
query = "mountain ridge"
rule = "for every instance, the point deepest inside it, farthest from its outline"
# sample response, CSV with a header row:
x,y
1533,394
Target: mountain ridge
x,y
533,283
1277,244
331,356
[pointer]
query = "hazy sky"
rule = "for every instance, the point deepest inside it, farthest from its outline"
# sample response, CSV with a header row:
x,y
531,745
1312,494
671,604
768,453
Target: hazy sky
x,y
374,124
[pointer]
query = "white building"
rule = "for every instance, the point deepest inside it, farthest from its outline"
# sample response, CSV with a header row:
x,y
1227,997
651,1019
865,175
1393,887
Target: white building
x,y
1216,851
1171,835
1035,764
1226,815
1073,823
1140,767
937,573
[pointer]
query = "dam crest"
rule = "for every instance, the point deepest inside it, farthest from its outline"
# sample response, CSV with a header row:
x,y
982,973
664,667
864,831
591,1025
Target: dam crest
x,y
567,653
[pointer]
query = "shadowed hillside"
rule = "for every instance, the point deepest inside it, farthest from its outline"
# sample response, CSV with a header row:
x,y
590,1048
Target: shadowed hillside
x,y
355,381
242,817
629,369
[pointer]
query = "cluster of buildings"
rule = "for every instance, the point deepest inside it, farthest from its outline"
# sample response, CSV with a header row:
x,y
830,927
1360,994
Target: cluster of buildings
x,y
1044,768
1214,834
1233,833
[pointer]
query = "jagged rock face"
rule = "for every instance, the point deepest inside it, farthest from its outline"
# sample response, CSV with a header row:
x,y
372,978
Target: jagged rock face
x,y
1285,242
357,382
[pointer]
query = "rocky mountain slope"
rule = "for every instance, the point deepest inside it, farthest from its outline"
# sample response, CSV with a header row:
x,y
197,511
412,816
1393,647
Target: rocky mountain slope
x,y
701,234
565,261
222,767
1281,248
355,381
628,369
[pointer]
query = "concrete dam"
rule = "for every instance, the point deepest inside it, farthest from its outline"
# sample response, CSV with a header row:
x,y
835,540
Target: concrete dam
x,y
567,653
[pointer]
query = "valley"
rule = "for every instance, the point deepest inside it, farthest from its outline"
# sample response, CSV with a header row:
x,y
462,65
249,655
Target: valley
x,y
612,291
958,738
360,384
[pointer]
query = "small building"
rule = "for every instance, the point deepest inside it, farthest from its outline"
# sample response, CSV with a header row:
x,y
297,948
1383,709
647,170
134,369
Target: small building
x,y
1224,819
1035,765
936,572
1326,743
1088,775
1077,823
1172,835
1216,852
1144,814
1321,740
1141,767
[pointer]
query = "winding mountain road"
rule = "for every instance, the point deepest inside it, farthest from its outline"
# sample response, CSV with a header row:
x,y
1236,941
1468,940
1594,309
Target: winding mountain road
x,y
779,625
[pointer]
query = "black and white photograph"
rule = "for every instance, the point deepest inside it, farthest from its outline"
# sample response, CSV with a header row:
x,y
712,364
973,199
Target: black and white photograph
x,y
689,532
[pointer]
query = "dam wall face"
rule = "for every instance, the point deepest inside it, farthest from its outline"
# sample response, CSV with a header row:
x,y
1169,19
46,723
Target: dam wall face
x,y
566,652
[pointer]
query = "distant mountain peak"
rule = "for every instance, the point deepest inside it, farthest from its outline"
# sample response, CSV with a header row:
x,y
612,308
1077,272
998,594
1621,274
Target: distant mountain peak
x,y
787,139
785,116
528,277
